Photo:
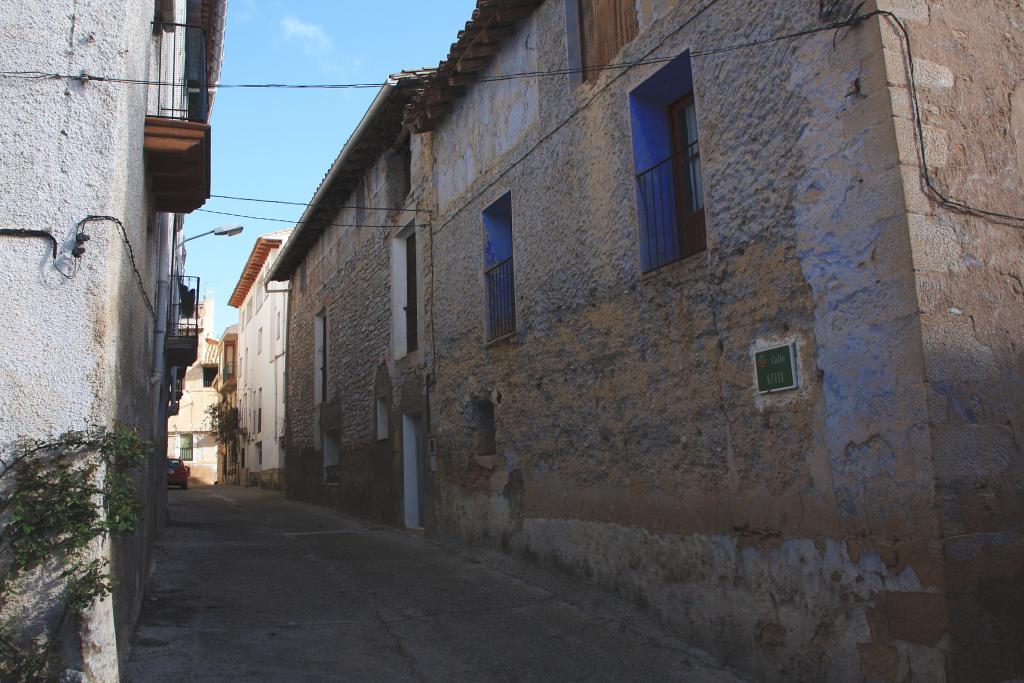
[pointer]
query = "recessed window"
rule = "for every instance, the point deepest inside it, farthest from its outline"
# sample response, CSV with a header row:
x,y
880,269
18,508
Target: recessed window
x,y
259,411
259,341
332,457
382,418
405,291
666,156
484,427
185,446
320,351
209,375
499,275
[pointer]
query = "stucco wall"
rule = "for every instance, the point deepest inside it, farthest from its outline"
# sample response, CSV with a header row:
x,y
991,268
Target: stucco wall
x,y
261,371
78,352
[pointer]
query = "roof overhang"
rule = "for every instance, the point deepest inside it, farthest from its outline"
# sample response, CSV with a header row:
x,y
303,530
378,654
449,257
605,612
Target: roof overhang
x,y
380,127
492,23
260,251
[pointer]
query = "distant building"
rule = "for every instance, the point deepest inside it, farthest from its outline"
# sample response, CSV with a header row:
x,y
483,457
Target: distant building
x,y
260,388
189,434
357,334
226,385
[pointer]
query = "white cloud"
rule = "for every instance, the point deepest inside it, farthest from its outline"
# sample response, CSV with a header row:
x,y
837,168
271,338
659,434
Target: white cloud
x,y
315,40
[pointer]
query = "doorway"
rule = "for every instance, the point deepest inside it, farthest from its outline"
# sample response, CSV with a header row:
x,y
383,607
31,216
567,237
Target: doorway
x,y
412,427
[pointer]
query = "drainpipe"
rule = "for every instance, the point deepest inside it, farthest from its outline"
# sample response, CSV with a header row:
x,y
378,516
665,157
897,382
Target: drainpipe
x,y
158,379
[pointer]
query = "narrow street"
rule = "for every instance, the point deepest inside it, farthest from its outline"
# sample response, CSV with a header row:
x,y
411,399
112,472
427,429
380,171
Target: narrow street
x,y
249,586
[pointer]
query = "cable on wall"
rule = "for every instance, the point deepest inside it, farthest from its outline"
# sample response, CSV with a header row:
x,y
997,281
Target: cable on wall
x,y
47,235
926,175
826,9
131,253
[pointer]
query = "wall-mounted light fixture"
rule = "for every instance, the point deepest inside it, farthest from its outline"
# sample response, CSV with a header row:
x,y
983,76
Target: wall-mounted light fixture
x,y
222,231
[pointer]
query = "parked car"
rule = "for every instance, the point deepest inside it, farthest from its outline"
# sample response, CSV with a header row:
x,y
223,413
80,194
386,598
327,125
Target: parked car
x,y
177,473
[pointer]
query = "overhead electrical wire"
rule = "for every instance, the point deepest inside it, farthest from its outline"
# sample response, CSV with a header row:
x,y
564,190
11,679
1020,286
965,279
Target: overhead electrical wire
x,y
854,20
284,220
307,204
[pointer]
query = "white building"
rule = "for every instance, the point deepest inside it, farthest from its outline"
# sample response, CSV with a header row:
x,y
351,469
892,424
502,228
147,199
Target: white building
x,y
96,175
262,341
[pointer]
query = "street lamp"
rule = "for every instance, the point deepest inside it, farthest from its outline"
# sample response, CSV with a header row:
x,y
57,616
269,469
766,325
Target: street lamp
x,y
222,231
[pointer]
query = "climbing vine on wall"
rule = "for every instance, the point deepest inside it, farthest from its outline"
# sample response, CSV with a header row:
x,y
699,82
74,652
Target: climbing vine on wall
x,y
58,498
224,422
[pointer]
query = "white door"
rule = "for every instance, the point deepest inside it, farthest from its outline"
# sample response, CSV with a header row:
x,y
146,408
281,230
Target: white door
x,y
411,469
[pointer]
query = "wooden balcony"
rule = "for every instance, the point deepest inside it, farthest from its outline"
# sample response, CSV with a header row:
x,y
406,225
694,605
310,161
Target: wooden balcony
x,y
178,163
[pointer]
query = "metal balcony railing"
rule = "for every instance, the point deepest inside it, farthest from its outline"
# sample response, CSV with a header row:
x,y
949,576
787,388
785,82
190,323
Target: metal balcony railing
x,y
184,319
659,214
227,371
182,90
501,299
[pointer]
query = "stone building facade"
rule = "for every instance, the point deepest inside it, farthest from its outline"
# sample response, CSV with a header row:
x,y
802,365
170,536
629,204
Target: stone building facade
x,y
610,252
105,148
355,366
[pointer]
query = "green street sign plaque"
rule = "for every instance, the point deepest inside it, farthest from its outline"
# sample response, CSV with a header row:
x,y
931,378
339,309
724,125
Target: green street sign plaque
x,y
776,368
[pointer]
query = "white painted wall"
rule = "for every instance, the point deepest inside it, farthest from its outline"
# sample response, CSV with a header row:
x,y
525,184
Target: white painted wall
x,y
78,351
193,416
261,367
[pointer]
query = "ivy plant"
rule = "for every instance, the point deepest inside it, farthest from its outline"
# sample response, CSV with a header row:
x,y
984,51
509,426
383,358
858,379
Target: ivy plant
x,y
57,498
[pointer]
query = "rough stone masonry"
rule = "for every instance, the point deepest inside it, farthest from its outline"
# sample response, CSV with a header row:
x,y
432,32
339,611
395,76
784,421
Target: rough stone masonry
x,y
865,526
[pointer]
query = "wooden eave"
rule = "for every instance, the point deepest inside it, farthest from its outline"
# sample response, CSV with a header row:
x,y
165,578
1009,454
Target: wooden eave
x,y
493,22
260,251
360,155
177,163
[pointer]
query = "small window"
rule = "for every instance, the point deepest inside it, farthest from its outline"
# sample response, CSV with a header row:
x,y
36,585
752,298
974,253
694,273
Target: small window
x,y
259,453
499,275
320,350
382,418
185,446
209,375
405,292
259,412
332,457
411,295
606,26
484,427
259,341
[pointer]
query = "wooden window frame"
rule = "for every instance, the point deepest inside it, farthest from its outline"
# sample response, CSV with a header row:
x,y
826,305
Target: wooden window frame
x,y
691,225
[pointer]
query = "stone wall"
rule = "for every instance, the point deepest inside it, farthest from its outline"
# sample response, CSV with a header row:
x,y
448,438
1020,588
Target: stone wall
x,y
969,273
347,277
865,526
798,535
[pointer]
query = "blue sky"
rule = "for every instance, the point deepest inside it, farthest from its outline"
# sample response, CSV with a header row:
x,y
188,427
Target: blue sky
x,y
278,144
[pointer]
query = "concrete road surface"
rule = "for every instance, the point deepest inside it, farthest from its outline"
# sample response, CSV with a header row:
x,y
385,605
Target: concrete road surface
x,y
250,587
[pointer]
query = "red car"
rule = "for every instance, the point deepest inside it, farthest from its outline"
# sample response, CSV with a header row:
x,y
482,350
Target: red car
x,y
177,473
